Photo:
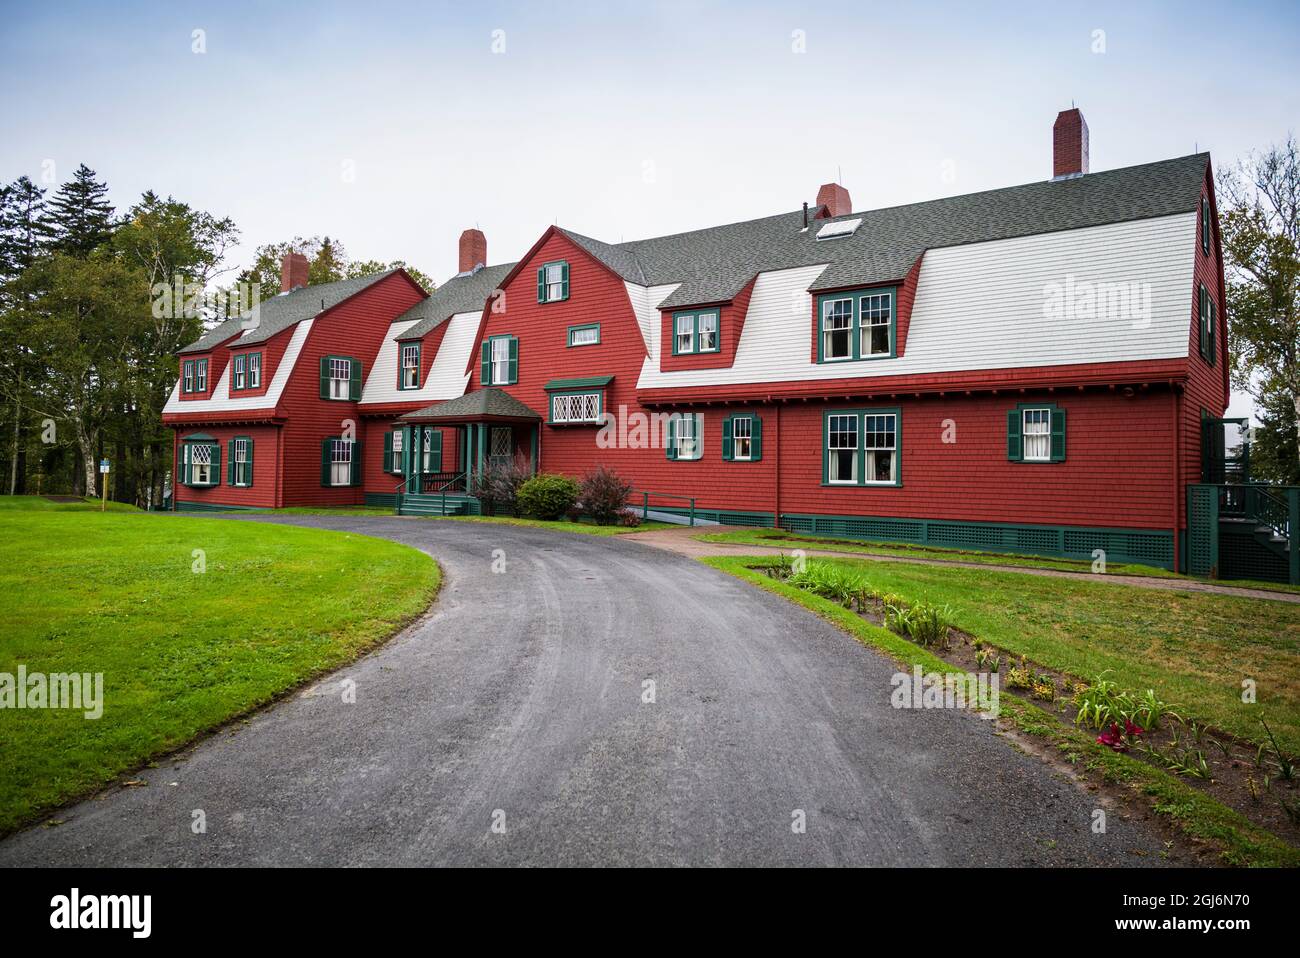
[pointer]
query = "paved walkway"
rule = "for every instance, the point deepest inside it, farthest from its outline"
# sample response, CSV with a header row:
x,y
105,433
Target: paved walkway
x,y
683,542
521,701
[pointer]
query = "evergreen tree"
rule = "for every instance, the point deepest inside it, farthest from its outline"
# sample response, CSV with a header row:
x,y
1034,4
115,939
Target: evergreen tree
x,y
23,230
80,218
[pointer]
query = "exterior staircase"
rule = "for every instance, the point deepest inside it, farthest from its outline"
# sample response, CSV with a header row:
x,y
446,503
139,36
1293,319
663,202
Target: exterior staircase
x,y
437,504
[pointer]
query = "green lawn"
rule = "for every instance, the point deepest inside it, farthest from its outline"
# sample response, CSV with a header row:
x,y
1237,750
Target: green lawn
x,y
1193,648
780,539
41,504
560,525
180,651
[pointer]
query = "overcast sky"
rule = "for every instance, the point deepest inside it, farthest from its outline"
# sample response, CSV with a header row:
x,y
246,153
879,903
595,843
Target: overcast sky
x,y
393,126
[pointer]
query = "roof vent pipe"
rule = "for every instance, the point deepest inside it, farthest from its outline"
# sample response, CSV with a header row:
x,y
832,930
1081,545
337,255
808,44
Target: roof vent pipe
x,y
805,214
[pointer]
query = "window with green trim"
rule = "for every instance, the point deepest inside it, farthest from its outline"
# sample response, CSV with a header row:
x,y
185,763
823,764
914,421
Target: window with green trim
x,y
553,282
500,361
856,325
340,378
577,407
187,376
200,463
254,370
685,440
696,331
861,447
1036,433
200,375
340,462
742,438
1205,225
409,373
1208,322
587,334
394,445
240,461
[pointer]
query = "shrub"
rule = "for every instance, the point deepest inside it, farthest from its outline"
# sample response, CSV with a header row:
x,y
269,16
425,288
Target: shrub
x,y
497,486
546,496
629,519
603,494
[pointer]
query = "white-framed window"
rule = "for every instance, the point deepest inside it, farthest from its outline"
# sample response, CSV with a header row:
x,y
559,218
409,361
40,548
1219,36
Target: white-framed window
x,y
876,312
501,445
576,407
242,477
254,370
201,376
554,281
396,464
742,432
340,462
685,334
880,446
410,365
1036,428
426,452
501,360
708,327
687,436
200,464
340,378
837,329
239,371
584,335
842,448
188,377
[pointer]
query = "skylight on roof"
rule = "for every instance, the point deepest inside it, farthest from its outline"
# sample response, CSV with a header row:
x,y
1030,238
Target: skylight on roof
x,y
839,229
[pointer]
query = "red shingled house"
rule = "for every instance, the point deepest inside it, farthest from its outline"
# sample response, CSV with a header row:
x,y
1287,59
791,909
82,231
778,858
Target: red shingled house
x,y
1036,369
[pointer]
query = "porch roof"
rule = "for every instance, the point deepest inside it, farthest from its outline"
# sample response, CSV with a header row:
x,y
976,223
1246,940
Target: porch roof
x,y
480,405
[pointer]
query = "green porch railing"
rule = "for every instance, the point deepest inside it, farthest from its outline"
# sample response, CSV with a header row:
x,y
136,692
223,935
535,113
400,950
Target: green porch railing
x,y
1270,510
645,502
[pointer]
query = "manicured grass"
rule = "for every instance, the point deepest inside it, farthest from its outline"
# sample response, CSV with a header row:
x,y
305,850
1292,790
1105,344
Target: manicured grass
x,y
1202,818
180,651
41,504
335,511
778,538
560,525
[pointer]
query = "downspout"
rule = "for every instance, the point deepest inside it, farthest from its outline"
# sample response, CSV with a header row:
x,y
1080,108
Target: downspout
x,y
1178,472
776,479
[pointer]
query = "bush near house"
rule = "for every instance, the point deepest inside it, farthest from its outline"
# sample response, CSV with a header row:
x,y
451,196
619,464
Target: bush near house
x,y
546,496
497,486
602,494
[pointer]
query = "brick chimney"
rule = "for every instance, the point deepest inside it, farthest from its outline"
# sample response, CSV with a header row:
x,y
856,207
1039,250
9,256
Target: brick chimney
x,y
1069,144
835,199
473,250
293,271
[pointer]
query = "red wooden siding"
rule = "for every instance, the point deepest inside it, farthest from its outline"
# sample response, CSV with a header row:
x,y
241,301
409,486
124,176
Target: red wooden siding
x,y
261,494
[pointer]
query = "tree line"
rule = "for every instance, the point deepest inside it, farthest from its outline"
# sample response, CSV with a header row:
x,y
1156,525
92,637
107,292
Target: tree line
x,y
87,360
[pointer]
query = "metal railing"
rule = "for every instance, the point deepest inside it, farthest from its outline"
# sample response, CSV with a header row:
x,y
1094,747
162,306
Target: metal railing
x,y
645,502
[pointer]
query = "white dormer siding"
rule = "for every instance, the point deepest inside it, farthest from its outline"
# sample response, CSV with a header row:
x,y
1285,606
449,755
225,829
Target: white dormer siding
x,y
446,378
1019,302
221,401
645,304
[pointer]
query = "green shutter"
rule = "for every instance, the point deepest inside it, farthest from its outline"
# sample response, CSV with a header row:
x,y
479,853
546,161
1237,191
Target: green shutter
x,y
231,478
541,285
513,375
248,466
216,464
435,451
1015,447
564,278
324,377
1058,435
756,439
356,463
354,387
727,447
485,375
388,452
325,461
671,448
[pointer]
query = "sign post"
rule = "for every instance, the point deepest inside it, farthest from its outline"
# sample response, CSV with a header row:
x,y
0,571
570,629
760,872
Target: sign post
x,y
103,471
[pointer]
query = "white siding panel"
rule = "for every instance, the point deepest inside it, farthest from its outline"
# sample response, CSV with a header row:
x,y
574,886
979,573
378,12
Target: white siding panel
x,y
984,306
446,378
645,304
221,401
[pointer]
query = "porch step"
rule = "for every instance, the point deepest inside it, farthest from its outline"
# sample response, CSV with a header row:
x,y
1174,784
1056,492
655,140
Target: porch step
x,y
430,505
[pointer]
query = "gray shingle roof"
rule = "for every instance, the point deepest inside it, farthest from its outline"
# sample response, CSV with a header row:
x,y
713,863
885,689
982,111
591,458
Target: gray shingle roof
x,y
463,293
713,265
489,401
280,312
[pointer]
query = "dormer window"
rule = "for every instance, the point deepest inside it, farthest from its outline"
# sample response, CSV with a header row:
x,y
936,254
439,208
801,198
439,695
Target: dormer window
x,y
856,325
254,370
187,376
410,374
695,332
239,374
200,375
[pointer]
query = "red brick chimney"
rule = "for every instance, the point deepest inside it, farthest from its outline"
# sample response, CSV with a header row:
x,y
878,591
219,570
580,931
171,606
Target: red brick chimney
x,y
836,200
293,271
473,250
1069,144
